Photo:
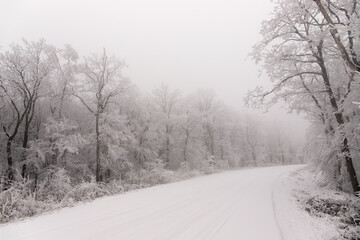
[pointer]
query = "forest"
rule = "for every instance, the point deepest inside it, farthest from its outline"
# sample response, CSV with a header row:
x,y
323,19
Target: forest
x,y
76,128
71,123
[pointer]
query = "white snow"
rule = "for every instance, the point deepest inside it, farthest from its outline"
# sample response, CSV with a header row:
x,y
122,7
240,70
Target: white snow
x,y
231,205
296,223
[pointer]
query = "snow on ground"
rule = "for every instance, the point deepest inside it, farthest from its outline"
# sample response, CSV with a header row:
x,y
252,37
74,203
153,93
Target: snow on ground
x,y
243,204
334,213
295,222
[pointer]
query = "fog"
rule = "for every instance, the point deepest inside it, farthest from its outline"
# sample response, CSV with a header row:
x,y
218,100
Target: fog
x,y
98,98
185,44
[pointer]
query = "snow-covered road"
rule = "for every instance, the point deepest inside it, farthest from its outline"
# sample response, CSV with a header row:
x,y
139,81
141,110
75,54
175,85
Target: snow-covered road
x,y
230,205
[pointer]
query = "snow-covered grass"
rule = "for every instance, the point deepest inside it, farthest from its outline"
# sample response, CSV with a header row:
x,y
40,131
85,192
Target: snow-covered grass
x,y
324,212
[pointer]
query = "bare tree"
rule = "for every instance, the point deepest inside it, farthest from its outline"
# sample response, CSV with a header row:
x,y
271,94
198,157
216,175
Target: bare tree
x,y
100,82
300,59
208,105
166,100
345,13
24,68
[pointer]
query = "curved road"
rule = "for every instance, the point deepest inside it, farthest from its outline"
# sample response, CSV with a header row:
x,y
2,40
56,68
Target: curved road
x,y
230,205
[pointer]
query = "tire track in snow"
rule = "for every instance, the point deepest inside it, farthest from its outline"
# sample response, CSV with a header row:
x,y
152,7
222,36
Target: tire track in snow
x,y
274,212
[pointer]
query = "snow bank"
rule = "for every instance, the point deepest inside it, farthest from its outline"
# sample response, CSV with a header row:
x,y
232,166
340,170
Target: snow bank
x,y
291,194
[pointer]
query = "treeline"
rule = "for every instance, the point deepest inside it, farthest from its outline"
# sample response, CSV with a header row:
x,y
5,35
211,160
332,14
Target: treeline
x,y
81,116
310,50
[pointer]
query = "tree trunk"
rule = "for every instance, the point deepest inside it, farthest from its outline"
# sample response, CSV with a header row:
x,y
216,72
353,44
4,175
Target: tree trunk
x,y
10,171
282,157
97,147
253,154
167,150
271,153
186,145
340,121
24,146
211,138
350,166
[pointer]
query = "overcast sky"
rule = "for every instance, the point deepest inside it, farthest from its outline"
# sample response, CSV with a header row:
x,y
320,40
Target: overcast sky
x,y
188,44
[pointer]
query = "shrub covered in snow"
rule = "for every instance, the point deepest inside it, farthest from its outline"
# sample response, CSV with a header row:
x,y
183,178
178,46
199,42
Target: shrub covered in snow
x,y
18,202
346,211
55,186
326,203
86,191
156,174
56,189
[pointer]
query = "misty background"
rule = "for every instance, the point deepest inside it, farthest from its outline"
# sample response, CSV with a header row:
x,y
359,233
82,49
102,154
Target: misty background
x,y
188,45
99,98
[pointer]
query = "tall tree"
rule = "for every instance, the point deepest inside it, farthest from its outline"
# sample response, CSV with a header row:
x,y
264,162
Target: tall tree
x,y
208,105
299,59
98,83
24,68
166,101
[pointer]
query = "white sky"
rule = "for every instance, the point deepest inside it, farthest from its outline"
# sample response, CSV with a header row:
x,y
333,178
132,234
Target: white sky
x,y
188,44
